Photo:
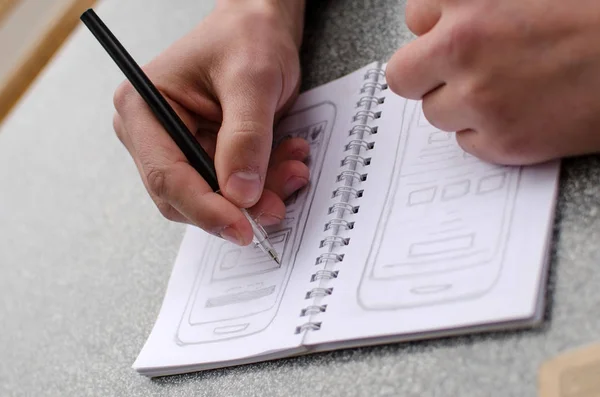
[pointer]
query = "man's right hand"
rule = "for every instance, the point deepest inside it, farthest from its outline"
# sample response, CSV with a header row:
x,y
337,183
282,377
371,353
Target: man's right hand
x,y
229,79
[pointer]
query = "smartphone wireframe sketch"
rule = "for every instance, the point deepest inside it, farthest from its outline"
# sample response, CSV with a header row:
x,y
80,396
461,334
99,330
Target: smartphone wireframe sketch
x,y
444,226
238,290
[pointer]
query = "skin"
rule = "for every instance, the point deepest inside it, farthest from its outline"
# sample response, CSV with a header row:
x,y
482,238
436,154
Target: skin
x,y
229,80
518,80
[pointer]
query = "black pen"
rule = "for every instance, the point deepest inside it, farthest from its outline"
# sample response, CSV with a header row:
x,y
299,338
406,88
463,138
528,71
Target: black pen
x,y
171,122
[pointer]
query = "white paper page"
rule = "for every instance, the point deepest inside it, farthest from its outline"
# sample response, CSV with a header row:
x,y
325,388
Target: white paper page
x,y
447,241
226,304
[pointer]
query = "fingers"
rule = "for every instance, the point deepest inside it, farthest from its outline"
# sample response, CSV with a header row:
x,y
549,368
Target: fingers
x,y
164,207
422,15
283,179
416,69
444,110
249,99
170,180
290,149
288,173
287,177
269,210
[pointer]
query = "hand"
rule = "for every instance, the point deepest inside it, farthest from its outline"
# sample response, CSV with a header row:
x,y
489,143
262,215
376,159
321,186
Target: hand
x,y
229,79
519,80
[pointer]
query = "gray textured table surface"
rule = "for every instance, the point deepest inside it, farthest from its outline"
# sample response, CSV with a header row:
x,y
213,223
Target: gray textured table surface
x,y
85,257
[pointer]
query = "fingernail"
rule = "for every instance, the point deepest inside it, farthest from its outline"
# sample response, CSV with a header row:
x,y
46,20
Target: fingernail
x,y
231,235
299,155
244,187
293,184
268,219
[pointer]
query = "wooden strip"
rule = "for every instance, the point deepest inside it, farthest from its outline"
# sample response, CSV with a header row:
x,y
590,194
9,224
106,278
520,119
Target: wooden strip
x,y
6,7
574,373
25,71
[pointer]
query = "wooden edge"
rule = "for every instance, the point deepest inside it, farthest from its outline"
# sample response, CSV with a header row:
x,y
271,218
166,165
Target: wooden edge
x,y
6,7
573,372
25,71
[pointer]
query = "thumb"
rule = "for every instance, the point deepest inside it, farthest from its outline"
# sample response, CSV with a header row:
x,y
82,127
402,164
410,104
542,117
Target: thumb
x,y
245,138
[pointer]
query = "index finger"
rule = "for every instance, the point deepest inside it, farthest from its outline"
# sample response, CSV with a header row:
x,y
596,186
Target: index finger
x,y
170,177
419,67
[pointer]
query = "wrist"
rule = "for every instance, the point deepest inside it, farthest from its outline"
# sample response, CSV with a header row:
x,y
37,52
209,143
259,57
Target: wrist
x,y
289,12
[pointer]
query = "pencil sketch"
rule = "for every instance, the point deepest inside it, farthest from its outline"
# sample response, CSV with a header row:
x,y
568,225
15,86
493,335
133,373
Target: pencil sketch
x,y
237,290
233,261
443,230
239,297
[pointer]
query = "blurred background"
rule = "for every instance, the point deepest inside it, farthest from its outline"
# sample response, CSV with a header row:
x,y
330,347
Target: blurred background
x,y
31,31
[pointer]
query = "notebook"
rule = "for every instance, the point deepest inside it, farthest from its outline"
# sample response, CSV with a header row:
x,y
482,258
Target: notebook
x,y
400,235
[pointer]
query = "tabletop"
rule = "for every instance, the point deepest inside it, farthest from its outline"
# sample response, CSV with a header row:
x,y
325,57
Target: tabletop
x,y
85,256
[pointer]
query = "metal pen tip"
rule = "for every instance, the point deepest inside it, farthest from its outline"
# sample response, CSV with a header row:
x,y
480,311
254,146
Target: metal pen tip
x,y
274,255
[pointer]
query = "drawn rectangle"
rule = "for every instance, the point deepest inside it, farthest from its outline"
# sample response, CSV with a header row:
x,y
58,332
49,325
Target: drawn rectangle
x,y
447,245
245,296
439,136
491,183
456,190
422,196
229,262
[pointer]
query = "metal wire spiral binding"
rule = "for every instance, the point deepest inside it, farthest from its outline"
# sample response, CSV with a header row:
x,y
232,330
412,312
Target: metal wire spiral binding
x,y
313,309
318,292
361,129
355,158
378,72
343,207
366,114
347,194
324,275
308,326
339,223
329,256
373,85
369,99
360,143
350,174
333,240
347,190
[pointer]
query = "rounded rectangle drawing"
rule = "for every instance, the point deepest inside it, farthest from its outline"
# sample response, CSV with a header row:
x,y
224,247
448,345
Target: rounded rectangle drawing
x,y
445,223
237,290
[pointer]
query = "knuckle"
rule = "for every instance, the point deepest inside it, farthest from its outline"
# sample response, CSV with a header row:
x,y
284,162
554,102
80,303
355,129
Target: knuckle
x,y
478,95
166,210
462,41
510,149
118,128
261,70
430,113
255,65
251,136
122,95
391,74
395,70
254,19
494,146
157,181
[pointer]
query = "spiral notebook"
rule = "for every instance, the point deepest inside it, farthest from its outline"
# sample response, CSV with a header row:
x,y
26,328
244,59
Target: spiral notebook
x,y
399,236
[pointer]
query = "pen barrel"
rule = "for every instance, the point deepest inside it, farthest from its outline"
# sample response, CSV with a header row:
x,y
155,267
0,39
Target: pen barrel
x,y
260,235
161,109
